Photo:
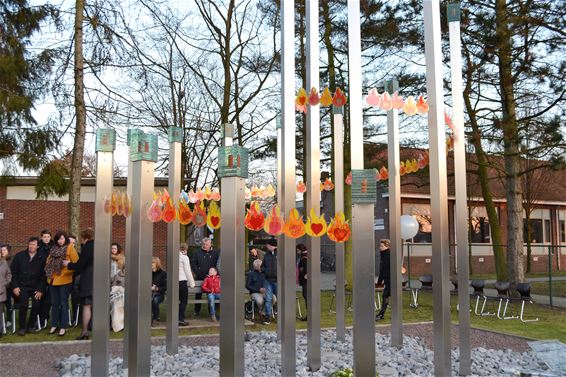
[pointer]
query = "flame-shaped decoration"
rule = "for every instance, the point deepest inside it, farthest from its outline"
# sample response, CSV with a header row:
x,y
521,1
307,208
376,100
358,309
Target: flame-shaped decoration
x,y
127,202
248,194
422,105
328,185
274,223
165,196
410,106
263,192
326,98
402,169
200,195
193,197
216,195
386,102
339,98
348,179
184,213
339,230
422,160
199,215
316,225
108,205
449,143
383,173
373,98
301,100
414,166
154,212
448,121
397,101
207,193
169,213
184,196
255,219
270,191
119,204
301,187
314,99
114,203
213,218
294,226
256,193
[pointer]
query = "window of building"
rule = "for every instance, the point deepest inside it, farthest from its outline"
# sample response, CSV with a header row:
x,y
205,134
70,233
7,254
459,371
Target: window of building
x,y
422,214
536,231
479,225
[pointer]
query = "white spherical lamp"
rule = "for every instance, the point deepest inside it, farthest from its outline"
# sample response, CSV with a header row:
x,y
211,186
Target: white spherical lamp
x,y
409,227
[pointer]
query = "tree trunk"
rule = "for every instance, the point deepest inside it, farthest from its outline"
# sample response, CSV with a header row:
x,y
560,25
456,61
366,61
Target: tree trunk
x,y
80,130
331,76
511,147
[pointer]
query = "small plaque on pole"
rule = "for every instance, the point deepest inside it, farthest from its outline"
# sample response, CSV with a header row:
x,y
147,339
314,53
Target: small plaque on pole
x,y
364,188
391,86
143,147
233,161
453,12
338,110
105,140
175,134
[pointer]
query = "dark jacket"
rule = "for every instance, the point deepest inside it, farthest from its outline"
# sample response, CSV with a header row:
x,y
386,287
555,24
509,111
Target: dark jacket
x,y
269,266
255,281
159,279
84,267
45,248
384,268
202,261
29,274
302,270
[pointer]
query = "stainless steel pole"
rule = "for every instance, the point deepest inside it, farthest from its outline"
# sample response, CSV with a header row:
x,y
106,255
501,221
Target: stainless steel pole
x,y
286,249
313,190
438,189
396,253
453,13
279,201
105,143
141,241
339,207
363,244
173,241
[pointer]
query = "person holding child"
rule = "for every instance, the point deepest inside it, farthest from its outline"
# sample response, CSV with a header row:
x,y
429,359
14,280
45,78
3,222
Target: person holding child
x,y
211,286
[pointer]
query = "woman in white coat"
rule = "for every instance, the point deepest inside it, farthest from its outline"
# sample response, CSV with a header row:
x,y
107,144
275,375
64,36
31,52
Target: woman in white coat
x,y
186,279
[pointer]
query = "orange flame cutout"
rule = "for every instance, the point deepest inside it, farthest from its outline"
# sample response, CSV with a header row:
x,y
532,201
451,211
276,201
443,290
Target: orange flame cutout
x,y
402,169
207,193
114,203
154,212
301,187
326,98
448,121
422,105
165,196
383,173
256,193
410,106
169,213
213,218
386,102
274,223
301,100
119,204
397,101
339,230
270,191
294,226
199,215
193,197
200,195
263,192
422,161
216,195
184,213
328,185
255,219
127,202
316,225
449,143
108,205
339,98
314,99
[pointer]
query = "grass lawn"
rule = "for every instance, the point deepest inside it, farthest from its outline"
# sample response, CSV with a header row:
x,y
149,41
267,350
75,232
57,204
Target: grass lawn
x,y
529,275
549,326
541,288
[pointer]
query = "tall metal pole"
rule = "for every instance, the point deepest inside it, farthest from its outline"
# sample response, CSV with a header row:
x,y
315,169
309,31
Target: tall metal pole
x,y
396,252
453,11
279,201
105,145
313,190
363,244
233,242
144,155
173,241
287,247
438,189
339,207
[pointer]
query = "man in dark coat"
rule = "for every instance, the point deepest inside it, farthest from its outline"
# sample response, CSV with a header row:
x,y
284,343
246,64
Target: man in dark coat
x,y
28,282
269,268
384,275
45,244
202,261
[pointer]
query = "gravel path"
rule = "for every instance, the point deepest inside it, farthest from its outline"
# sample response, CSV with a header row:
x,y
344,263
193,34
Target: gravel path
x,y
39,359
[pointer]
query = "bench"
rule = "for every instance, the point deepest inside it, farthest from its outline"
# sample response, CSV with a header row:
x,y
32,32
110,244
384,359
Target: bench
x,y
198,289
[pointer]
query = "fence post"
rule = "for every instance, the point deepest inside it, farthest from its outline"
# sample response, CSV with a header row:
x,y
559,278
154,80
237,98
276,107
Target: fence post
x,y
550,273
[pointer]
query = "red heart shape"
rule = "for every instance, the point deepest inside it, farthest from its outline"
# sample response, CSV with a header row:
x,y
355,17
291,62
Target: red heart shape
x,y
340,234
316,228
214,220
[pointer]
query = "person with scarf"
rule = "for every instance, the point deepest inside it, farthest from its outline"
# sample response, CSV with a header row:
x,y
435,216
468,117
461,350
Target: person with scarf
x,y
384,275
61,281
